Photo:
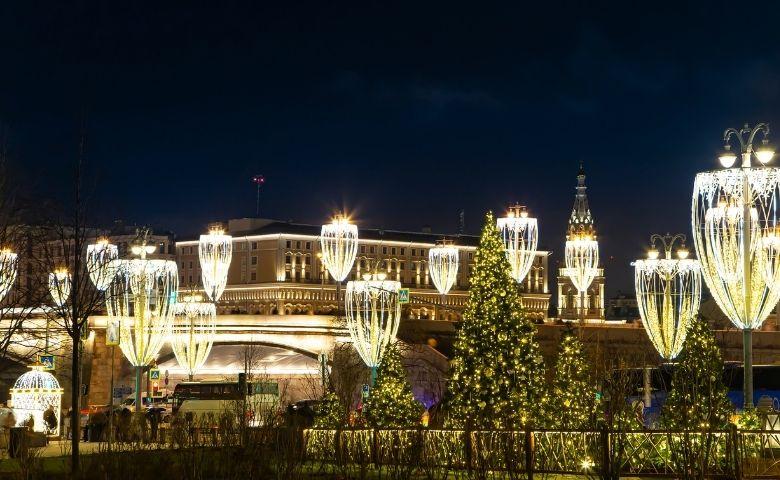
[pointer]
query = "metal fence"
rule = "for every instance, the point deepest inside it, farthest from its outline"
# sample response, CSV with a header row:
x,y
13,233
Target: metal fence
x,y
593,453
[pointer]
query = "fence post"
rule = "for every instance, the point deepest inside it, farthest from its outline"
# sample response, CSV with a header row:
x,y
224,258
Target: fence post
x,y
606,455
337,446
735,449
467,433
529,453
374,447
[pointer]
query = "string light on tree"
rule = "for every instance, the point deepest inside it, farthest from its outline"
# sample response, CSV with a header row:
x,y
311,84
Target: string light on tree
x,y
443,265
734,218
142,298
520,234
9,266
391,403
193,332
373,316
668,293
215,251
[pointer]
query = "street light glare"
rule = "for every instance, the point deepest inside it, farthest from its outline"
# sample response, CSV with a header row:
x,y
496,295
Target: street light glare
x,y
765,153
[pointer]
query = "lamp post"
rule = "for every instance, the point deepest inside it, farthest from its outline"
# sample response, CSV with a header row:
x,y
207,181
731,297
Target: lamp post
x,y
520,234
142,297
101,266
338,245
668,293
215,251
193,332
734,218
373,316
582,261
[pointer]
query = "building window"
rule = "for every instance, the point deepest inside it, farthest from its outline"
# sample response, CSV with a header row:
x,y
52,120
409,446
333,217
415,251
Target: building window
x,y
254,245
384,250
190,265
362,249
289,244
414,252
402,265
308,245
298,245
371,250
190,280
307,260
253,276
288,259
254,260
403,251
307,275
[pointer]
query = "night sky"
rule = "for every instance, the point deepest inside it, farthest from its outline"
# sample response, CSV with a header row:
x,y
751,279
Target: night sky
x,y
403,113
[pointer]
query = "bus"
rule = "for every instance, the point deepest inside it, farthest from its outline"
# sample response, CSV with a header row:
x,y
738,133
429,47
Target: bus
x,y
216,397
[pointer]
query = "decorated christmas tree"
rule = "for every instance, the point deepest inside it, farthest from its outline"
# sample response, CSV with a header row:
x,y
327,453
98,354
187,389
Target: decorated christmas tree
x,y
390,403
497,372
698,397
329,413
572,396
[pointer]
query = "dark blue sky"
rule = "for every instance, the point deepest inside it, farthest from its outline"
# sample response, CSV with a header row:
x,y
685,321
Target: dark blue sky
x,y
403,112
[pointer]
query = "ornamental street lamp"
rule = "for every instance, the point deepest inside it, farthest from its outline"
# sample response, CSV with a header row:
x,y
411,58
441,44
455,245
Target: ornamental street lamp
x,y
338,245
373,316
100,263
668,293
734,218
9,263
59,286
215,250
142,296
443,265
520,234
582,261
193,332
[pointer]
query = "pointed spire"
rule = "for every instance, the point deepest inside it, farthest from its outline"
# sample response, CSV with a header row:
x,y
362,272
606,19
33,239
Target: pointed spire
x,y
581,219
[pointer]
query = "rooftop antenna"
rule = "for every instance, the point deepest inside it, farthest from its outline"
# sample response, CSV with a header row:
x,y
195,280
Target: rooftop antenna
x,y
258,180
462,222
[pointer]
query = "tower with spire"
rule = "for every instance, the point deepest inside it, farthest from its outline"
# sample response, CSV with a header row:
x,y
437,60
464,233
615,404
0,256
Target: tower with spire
x,y
581,223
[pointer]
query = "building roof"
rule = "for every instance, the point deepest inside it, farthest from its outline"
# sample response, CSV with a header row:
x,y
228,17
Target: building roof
x,y
277,227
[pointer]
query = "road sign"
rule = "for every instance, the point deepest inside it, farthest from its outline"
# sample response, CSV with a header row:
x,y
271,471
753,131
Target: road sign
x,y
47,360
154,374
166,378
365,390
403,295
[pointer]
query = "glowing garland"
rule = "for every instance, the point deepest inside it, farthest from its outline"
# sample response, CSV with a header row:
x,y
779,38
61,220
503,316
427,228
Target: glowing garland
x,y
215,252
59,286
668,293
9,263
142,296
33,393
100,263
339,242
520,234
443,266
193,332
719,227
373,316
582,260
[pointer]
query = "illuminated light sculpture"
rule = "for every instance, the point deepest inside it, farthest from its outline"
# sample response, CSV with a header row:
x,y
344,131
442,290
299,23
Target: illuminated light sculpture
x,y
9,266
100,263
142,296
373,316
443,265
734,218
33,393
215,251
521,236
338,245
59,286
193,331
668,293
582,261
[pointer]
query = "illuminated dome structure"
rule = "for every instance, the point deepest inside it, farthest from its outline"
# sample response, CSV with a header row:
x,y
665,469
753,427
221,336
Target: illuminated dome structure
x,y
33,393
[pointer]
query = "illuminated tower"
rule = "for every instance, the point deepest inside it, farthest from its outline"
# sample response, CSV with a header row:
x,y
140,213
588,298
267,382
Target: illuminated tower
x,y
581,281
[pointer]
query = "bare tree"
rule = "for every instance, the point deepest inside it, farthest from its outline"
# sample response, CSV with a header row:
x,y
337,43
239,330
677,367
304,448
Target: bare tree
x,y
62,244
